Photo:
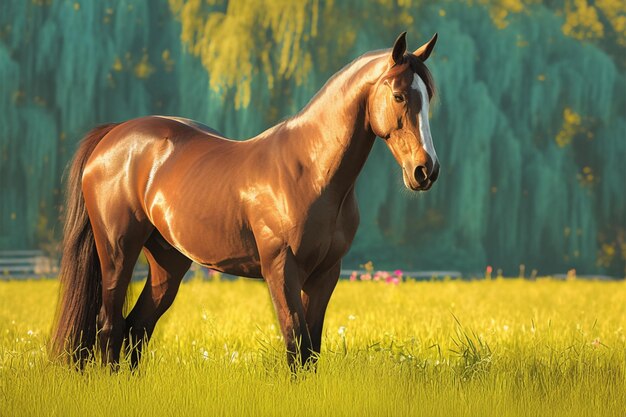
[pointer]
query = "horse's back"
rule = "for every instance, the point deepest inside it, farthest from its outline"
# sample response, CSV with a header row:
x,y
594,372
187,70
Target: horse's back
x,y
139,148
162,153
160,141
192,123
168,127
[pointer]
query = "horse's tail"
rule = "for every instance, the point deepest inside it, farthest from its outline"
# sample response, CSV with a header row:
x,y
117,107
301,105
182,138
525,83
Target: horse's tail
x,y
80,296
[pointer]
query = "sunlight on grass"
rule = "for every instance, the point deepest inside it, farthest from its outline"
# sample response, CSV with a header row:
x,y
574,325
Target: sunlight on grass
x,y
495,348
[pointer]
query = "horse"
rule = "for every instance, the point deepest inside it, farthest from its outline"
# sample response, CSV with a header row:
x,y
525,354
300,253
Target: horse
x,y
280,206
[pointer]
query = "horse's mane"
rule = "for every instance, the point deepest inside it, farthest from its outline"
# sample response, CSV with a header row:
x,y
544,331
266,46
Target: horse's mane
x,y
362,61
350,73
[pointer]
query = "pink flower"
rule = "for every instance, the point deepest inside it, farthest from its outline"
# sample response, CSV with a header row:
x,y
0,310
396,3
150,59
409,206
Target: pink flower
x,y
397,272
353,276
366,277
489,269
392,280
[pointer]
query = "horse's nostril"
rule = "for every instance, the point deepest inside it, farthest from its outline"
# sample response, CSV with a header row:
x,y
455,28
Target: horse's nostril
x,y
421,174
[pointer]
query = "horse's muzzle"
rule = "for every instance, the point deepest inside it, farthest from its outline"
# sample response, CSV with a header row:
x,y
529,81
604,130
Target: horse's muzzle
x,y
421,179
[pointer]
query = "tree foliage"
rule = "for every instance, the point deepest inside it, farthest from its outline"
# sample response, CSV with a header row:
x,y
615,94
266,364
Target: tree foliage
x,y
529,123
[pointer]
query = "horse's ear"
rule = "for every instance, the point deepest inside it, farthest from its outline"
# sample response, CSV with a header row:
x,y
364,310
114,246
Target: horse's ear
x,y
399,48
423,52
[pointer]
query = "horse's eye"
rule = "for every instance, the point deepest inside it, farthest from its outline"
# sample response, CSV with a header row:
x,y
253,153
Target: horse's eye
x,y
399,98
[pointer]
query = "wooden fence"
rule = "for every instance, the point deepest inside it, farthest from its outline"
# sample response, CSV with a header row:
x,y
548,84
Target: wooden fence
x,y
26,263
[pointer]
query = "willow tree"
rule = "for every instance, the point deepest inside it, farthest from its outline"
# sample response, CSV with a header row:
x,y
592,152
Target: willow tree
x,y
529,123
64,67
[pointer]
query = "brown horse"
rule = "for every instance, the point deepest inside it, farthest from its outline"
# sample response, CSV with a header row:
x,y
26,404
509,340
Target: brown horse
x,y
280,206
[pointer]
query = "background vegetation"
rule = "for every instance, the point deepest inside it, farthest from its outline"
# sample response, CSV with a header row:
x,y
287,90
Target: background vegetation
x,y
483,348
530,125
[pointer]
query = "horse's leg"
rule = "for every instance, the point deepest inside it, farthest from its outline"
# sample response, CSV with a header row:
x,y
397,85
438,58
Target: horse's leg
x,y
283,279
316,293
119,237
167,268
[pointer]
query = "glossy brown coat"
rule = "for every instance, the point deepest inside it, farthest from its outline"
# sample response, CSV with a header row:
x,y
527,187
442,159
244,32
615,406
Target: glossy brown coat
x,y
280,206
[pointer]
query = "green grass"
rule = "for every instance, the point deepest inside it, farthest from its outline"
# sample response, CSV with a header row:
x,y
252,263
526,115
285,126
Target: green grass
x,y
487,348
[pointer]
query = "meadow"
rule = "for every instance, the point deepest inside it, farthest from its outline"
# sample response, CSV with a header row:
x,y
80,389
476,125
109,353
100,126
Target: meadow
x,y
442,348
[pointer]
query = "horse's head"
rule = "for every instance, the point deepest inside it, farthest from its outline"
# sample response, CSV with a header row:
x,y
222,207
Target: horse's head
x,y
398,112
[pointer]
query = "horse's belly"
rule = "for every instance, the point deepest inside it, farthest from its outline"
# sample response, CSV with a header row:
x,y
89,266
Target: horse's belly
x,y
236,258
243,267
217,239
232,252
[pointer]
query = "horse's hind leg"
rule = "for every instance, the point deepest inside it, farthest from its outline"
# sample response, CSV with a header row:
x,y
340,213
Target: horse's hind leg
x,y
167,268
119,237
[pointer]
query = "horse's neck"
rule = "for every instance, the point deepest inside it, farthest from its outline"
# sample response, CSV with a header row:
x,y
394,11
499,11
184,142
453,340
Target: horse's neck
x,y
331,135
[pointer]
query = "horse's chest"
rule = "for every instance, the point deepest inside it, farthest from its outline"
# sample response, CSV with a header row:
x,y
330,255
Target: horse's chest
x,y
318,232
327,235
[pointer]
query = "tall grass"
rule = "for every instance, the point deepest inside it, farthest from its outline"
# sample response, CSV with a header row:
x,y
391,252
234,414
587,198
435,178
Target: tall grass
x,y
487,348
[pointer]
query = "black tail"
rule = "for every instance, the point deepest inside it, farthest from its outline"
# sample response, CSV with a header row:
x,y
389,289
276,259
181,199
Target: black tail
x,y
80,298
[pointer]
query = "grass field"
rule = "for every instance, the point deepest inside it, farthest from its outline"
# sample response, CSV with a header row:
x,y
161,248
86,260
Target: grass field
x,y
483,348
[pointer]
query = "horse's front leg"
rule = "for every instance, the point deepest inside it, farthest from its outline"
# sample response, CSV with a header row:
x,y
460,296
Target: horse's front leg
x,y
283,279
315,297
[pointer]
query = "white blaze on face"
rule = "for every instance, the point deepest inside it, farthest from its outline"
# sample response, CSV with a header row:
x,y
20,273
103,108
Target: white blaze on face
x,y
427,140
